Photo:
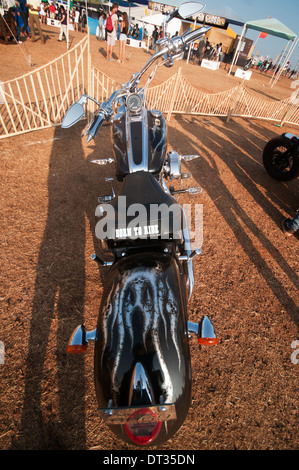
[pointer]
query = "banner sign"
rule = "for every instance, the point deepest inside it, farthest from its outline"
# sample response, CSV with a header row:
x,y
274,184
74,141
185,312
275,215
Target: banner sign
x,y
205,18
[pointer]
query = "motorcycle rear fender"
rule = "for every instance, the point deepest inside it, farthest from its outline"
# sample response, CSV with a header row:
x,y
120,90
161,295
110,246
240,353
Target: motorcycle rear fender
x,y
143,324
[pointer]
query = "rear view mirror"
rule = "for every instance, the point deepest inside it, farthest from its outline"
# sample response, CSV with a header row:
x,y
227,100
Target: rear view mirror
x,y
185,10
189,9
73,115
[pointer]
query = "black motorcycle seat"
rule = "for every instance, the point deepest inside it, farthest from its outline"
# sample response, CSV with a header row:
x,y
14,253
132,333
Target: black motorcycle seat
x,y
142,208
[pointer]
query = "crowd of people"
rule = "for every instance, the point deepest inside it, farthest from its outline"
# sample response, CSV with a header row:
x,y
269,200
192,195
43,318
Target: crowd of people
x,y
29,18
205,50
266,65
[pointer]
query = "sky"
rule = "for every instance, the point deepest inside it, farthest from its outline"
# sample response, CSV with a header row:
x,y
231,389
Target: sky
x,y
286,11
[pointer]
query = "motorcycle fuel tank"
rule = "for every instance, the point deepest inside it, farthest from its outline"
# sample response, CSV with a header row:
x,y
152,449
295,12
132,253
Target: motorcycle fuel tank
x,y
142,358
139,141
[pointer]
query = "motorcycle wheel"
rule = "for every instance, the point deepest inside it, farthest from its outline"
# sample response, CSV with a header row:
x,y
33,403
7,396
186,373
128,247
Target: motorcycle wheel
x,y
280,159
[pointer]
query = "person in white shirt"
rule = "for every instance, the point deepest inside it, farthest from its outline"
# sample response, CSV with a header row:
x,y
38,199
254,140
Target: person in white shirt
x,y
111,36
76,19
101,34
218,51
42,13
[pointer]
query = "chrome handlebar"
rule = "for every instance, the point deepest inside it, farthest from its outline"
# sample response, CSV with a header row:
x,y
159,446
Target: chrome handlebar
x,y
169,49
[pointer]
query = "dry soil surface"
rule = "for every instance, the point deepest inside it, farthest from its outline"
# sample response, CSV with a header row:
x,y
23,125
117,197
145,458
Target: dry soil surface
x,y
245,389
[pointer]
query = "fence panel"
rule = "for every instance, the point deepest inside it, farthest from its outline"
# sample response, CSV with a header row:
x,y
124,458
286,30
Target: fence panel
x,y
40,98
102,86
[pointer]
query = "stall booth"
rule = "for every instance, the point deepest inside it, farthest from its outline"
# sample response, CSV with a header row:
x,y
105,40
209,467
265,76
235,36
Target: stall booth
x,y
219,19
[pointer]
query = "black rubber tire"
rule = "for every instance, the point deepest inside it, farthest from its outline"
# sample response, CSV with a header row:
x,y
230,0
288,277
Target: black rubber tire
x,y
279,160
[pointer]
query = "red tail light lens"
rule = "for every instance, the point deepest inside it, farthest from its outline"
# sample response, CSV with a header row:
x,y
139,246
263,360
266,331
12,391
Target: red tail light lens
x,y
143,427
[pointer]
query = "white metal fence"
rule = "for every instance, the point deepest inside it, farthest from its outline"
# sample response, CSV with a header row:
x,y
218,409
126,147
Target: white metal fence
x,y
176,95
40,99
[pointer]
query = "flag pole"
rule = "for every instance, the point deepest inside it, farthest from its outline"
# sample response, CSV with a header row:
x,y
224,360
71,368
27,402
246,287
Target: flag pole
x,y
254,46
67,24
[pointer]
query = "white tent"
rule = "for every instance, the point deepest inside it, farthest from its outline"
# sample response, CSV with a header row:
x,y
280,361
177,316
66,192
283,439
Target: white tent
x,y
157,20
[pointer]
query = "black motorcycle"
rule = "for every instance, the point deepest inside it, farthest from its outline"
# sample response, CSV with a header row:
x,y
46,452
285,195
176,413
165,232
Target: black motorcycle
x,y
142,364
281,157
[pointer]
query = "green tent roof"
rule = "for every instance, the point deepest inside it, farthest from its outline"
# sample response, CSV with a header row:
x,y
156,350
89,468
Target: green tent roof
x,y
272,26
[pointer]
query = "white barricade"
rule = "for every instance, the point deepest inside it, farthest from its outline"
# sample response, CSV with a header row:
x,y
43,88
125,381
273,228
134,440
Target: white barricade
x,y
136,43
246,74
2,99
210,64
57,24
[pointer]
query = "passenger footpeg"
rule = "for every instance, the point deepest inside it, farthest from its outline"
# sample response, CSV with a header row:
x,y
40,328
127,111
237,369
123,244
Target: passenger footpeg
x,y
192,255
101,262
188,158
103,161
192,191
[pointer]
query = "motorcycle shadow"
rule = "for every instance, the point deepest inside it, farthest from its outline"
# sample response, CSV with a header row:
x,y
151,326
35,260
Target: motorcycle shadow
x,y
55,419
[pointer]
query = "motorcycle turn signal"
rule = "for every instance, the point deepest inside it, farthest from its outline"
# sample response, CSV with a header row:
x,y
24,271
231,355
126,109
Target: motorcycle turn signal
x,y
79,340
204,331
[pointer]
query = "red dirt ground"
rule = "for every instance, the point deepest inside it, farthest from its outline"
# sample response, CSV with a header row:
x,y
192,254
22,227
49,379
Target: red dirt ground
x,y
245,390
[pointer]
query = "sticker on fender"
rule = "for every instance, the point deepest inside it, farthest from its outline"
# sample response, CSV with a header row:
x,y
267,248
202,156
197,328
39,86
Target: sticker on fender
x,y
139,231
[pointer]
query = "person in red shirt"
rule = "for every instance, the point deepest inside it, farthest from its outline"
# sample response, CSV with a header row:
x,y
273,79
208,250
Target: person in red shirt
x,y
52,11
111,36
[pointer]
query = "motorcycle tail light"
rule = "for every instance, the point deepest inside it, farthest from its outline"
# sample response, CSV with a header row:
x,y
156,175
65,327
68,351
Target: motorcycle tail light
x,y
142,427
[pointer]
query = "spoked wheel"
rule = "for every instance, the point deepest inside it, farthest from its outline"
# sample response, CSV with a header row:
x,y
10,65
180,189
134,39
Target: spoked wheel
x,y
280,159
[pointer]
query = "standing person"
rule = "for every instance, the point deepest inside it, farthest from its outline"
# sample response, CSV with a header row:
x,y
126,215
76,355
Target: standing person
x,y
42,13
63,24
34,21
18,22
52,11
124,29
76,19
72,16
155,37
83,22
208,50
25,16
218,51
200,52
111,27
101,24
104,27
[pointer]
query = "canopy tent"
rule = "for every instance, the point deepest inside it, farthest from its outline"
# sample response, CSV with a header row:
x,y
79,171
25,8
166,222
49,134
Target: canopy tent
x,y
273,27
